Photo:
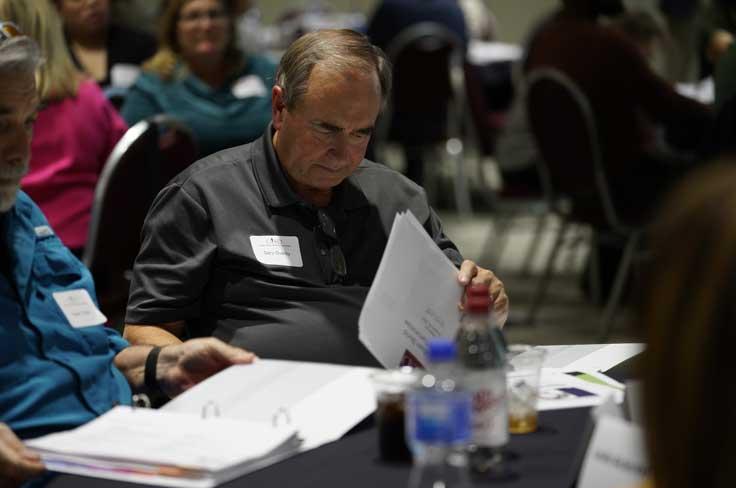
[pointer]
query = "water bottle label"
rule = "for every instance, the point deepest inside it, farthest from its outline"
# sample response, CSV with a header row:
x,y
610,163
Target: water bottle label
x,y
439,417
490,410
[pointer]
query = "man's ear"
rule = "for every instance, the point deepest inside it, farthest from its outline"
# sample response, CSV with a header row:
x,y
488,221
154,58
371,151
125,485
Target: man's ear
x,y
278,106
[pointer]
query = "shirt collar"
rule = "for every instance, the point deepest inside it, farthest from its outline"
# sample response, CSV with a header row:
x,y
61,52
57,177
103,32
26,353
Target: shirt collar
x,y
276,189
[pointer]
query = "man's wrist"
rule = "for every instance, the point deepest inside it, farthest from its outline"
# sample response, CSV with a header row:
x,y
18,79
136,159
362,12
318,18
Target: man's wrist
x,y
150,378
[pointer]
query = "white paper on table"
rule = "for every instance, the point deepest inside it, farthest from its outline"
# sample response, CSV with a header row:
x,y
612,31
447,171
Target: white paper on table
x,y
164,448
414,297
558,390
322,401
589,357
616,456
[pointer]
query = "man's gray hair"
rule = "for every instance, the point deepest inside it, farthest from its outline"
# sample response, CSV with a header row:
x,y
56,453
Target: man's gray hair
x,y
341,50
19,56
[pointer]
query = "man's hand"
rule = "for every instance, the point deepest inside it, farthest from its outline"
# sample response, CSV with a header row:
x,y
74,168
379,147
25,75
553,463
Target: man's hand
x,y
184,365
17,463
471,273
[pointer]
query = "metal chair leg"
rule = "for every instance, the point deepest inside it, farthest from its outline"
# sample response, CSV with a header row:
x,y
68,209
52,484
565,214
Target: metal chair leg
x,y
543,283
618,286
595,270
531,251
454,148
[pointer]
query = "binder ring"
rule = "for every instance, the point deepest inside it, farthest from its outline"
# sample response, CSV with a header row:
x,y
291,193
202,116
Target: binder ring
x,y
278,415
210,409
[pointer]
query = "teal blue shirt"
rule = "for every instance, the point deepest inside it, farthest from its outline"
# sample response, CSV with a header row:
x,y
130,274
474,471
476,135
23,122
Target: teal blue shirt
x,y
229,116
52,376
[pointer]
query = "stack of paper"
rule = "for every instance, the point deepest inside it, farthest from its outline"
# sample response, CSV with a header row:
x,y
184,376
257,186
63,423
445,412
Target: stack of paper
x,y
167,449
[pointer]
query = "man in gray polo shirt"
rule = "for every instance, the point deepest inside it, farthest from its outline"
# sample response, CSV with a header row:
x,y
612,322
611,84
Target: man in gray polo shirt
x,y
273,245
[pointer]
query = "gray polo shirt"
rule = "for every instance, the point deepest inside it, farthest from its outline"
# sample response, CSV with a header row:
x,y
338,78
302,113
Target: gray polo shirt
x,y
219,250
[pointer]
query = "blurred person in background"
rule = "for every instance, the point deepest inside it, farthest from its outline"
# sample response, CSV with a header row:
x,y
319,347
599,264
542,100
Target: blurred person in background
x,y
516,149
643,29
76,129
139,14
632,105
200,77
414,123
108,52
688,368
393,16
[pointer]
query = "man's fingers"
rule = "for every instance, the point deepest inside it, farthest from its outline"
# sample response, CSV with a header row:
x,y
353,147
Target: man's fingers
x,y
9,439
233,355
484,277
496,288
501,308
16,461
467,272
27,467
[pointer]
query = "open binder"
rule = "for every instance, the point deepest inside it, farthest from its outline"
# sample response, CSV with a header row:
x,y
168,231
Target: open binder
x,y
321,401
242,419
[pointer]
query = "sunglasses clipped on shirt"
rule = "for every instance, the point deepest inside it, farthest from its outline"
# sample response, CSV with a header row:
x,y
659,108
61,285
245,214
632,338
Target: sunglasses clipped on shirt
x,y
337,258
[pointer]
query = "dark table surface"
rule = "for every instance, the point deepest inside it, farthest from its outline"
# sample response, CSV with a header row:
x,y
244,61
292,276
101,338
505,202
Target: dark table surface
x,y
547,458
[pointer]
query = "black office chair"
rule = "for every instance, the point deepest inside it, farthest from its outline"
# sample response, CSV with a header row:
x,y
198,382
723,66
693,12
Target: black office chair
x,y
572,170
426,109
148,155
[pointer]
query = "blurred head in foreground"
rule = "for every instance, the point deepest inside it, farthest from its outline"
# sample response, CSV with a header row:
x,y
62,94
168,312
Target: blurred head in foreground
x,y
689,317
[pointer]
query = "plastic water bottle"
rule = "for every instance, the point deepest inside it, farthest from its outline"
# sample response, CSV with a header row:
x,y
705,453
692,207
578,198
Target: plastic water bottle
x,y
438,422
482,352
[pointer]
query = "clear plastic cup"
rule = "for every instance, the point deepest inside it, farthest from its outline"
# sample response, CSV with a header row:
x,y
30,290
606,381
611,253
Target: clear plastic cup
x,y
525,367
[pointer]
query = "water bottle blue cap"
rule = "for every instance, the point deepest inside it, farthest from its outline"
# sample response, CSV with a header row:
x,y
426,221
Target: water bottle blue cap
x,y
442,349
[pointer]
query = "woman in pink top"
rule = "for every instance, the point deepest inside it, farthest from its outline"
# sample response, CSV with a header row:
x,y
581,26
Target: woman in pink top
x,y
76,129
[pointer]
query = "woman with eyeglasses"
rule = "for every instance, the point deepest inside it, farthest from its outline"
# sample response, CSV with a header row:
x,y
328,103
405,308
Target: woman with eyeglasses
x,y
75,132
200,77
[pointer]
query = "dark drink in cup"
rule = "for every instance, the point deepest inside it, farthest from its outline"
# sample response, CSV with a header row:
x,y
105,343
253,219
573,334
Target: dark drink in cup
x,y
391,432
390,387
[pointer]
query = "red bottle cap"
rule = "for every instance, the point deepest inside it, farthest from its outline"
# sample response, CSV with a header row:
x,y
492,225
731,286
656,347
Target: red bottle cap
x,y
477,299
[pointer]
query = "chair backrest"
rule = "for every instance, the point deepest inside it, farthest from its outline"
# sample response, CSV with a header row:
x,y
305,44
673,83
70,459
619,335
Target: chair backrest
x,y
177,147
427,97
148,155
571,165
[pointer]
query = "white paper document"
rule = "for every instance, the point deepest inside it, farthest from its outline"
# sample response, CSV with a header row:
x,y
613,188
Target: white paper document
x,y
615,457
589,357
414,297
321,401
164,448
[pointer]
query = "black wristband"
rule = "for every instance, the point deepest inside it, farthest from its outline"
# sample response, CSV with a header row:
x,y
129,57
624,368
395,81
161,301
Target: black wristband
x,y
149,373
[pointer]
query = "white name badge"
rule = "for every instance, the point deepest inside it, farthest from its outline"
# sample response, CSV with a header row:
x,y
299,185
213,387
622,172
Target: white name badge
x,y
78,308
123,75
43,231
616,456
249,86
277,250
